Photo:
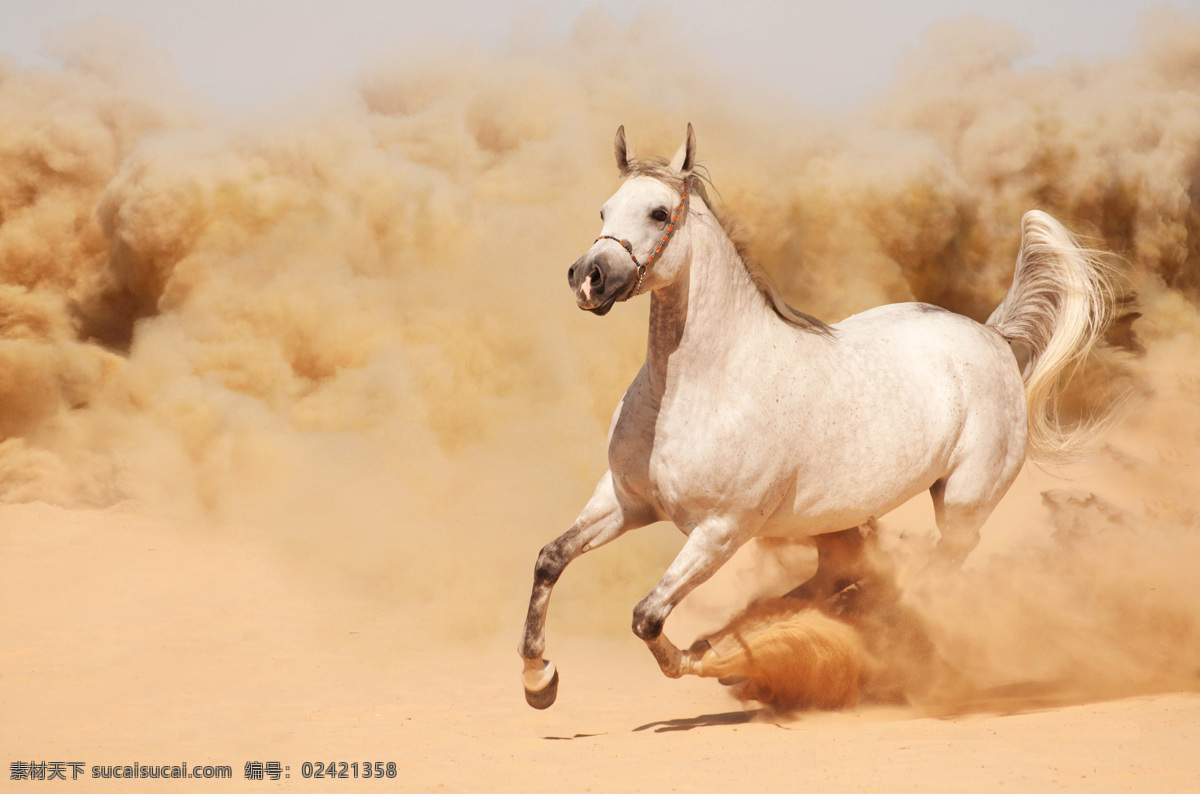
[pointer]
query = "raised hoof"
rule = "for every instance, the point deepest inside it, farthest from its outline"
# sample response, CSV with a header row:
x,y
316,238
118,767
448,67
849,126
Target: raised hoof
x,y
540,692
732,680
543,698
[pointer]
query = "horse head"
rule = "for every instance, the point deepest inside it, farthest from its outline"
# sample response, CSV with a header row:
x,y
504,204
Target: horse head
x,y
642,245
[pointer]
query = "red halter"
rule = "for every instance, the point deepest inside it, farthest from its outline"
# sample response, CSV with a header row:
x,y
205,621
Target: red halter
x,y
641,268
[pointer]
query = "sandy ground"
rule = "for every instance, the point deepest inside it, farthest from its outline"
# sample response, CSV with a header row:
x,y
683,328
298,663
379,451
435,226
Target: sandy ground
x,y
133,641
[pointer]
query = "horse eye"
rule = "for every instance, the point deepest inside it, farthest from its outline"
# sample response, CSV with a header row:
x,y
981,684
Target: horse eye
x,y
659,215
601,214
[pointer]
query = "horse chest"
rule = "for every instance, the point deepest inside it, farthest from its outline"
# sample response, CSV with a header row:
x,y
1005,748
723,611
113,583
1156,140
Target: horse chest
x,y
689,459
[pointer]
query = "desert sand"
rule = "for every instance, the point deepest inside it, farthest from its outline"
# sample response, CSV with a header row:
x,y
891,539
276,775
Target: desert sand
x,y
130,640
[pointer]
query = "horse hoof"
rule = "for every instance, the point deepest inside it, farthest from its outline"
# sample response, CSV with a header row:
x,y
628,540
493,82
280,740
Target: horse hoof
x,y
544,698
542,695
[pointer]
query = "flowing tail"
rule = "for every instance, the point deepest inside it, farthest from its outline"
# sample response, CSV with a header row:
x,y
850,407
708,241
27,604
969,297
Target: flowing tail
x,y
1061,302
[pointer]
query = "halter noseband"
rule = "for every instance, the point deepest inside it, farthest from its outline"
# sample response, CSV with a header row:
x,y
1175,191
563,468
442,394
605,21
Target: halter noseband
x,y
642,267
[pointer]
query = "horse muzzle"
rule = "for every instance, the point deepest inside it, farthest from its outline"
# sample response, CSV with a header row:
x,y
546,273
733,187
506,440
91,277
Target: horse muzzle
x,y
600,279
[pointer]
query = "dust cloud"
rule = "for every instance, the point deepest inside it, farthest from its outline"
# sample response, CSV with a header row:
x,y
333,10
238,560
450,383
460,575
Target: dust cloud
x,y
344,327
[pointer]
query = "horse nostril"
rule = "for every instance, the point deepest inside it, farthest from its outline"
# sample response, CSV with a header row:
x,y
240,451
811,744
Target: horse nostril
x,y
596,277
571,273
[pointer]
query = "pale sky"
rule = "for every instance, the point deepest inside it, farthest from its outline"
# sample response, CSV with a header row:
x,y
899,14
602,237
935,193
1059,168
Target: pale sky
x,y
247,53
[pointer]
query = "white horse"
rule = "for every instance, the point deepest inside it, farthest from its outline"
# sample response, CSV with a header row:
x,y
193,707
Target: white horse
x,y
750,419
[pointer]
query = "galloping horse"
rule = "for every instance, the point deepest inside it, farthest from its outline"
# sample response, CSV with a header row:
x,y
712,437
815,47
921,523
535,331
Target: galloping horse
x,y
750,419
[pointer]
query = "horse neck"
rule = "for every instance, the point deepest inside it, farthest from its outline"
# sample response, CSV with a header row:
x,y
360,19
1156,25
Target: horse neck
x,y
700,320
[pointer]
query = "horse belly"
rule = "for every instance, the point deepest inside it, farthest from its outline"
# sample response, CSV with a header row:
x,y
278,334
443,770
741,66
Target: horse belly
x,y
873,453
931,403
782,492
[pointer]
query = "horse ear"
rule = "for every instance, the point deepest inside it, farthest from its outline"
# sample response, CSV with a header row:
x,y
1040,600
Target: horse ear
x,y
622,151
685,158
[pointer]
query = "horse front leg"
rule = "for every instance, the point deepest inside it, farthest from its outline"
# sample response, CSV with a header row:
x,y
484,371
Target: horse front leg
x,y
708,547
603,519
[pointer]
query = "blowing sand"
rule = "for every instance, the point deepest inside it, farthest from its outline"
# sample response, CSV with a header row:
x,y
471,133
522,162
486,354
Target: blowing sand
x,y
288,404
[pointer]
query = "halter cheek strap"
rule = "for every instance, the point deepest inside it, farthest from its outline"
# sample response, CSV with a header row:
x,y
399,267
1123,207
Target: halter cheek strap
x,y
643,266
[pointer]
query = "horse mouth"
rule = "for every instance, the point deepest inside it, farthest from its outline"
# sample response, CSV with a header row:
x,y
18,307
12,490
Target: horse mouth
x,y
605,307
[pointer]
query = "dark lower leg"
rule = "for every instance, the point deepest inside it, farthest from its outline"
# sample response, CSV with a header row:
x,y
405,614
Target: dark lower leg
x,y
843,559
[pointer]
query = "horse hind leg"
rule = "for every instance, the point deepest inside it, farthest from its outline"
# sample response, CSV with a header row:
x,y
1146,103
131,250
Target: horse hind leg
x,y
845,560
962,502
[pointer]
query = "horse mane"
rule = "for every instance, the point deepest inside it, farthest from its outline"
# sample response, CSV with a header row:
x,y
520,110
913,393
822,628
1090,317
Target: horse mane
x,y
694,182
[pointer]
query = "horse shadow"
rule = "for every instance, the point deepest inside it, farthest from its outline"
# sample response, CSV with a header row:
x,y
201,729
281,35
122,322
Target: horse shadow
x,y
681,724
702,721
